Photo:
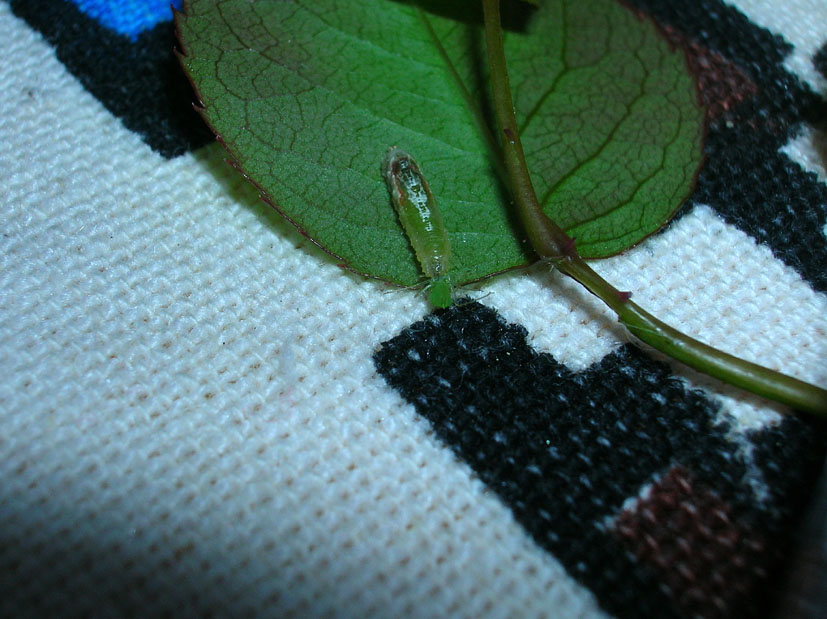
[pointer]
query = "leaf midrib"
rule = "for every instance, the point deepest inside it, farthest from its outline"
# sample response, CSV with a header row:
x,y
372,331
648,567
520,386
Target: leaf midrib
x,y
472,104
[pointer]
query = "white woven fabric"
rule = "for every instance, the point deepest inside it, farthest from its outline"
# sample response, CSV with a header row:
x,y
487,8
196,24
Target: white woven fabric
x,y
801,23
188,398
188,393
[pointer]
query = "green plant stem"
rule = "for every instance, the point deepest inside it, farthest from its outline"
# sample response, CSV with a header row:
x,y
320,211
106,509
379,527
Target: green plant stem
x,y
553,244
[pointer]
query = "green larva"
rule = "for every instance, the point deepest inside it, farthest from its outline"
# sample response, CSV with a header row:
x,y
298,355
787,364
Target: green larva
x,y
422,222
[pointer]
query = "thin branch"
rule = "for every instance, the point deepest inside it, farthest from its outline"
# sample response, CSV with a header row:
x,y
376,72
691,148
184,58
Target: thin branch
x,y
553,245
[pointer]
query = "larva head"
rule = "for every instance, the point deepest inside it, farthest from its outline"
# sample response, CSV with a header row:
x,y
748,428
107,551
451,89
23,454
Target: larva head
x,y
439,293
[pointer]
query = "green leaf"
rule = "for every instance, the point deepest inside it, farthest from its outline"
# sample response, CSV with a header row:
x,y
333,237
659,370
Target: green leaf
x,y
308,96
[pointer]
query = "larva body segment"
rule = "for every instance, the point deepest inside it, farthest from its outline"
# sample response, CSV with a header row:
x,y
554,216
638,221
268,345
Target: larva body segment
x,y
422,222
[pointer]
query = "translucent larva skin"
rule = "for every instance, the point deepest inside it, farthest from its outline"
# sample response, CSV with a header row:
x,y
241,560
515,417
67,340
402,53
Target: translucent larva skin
x,y
422,222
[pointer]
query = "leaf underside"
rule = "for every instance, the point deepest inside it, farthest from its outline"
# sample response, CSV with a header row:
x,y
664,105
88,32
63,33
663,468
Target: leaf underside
x,y
307,96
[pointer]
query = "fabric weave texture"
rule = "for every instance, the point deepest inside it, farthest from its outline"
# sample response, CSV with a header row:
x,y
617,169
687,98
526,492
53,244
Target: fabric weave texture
x,y
201,414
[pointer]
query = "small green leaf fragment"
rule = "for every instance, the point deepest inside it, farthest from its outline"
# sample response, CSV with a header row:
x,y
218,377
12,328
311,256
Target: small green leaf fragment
x,y
440,293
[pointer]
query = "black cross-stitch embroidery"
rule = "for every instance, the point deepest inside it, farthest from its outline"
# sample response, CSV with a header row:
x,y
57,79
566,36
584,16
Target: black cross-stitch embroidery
x,y
567,451
139,82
